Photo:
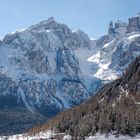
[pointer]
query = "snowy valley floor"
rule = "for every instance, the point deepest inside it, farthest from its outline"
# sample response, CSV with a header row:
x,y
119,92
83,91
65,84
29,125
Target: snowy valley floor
x,y
49,136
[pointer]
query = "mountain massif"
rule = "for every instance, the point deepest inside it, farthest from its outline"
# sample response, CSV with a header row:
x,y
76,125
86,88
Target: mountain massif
x,y
47,68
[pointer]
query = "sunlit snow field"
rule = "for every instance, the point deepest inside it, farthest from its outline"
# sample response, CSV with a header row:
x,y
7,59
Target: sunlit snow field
x,y
49,135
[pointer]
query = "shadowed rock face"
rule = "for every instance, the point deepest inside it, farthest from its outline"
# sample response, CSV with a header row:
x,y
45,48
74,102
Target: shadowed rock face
x,y
17,119
134,24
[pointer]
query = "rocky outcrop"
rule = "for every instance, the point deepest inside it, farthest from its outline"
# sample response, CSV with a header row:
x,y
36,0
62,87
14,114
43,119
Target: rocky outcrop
x,y
117,29
134,24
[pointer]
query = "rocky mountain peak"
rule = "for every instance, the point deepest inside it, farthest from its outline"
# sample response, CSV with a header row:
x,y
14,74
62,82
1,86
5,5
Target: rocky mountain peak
x,y
82,33
134,24
50,19
111,28
49,24
117,28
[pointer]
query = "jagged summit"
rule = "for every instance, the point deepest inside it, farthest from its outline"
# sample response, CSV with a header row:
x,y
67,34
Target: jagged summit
x,y
117,28
48,22
120,23
50,25
134,24
50,19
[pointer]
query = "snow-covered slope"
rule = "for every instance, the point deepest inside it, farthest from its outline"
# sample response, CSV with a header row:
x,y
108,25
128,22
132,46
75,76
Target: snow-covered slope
x,y
49,135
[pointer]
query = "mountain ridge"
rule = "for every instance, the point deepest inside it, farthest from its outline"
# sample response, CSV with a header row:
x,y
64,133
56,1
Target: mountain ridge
x,y
47,67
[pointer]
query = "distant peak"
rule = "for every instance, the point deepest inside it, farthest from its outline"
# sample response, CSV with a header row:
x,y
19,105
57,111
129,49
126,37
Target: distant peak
x,y
49,23
120,23
111,28
111,23
51,19
78,31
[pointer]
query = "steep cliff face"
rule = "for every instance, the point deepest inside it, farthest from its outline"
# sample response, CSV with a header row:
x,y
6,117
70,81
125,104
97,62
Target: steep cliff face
x,y
134,24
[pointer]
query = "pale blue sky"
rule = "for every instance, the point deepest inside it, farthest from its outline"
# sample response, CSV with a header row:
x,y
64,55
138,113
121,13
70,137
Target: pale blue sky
x,y
92,16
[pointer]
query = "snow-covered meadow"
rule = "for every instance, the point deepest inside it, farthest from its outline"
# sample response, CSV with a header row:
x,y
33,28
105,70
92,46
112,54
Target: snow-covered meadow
x,y
49,135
